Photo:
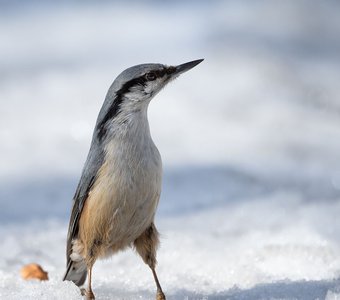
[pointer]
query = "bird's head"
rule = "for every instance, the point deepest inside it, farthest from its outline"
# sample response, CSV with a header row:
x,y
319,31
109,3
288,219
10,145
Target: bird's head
x,y
142,82
133,89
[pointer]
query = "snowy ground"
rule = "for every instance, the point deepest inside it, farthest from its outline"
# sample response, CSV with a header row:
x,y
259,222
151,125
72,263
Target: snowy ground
x,y
249,139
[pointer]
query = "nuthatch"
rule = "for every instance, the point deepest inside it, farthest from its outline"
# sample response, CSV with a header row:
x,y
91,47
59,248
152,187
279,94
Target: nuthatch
x,y
116,199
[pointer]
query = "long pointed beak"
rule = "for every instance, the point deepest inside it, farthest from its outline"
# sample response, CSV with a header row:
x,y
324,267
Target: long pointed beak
x,y
186,67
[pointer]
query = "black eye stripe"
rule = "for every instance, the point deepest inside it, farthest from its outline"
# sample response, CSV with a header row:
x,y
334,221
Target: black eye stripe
x,y
152,75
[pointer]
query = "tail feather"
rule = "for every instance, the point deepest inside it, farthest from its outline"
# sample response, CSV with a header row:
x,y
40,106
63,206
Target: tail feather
x,y
76,272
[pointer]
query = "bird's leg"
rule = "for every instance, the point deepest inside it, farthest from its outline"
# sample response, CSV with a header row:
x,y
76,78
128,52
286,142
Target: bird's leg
x,y
160,295
146,246
88,293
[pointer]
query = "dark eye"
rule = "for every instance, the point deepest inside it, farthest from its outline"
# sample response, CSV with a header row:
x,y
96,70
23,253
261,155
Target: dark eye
x,y
151,76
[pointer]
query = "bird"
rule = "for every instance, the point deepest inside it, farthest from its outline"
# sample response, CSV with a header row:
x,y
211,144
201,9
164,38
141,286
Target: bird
x,y
115,202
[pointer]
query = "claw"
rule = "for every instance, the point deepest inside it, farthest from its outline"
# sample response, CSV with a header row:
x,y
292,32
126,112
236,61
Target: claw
x,y
160,295
88,295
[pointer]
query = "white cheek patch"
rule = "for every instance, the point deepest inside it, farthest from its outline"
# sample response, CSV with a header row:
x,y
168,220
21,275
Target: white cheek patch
x,y
153,87
141,93
136,96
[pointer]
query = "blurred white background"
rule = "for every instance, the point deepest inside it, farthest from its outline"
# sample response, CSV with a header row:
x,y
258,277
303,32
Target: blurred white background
x,y
250,141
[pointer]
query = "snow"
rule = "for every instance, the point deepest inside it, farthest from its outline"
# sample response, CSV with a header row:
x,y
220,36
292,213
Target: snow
x,y
249,140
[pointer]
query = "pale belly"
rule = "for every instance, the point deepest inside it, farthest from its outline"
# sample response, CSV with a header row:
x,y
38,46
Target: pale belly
x,y
119,207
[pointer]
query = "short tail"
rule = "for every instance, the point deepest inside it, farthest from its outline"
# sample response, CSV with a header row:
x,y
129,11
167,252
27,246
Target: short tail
x,y
76,272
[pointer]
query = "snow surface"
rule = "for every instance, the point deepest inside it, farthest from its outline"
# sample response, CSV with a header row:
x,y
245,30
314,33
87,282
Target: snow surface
x,y
249,140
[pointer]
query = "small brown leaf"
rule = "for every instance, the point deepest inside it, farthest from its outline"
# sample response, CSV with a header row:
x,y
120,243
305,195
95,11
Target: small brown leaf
x,y
33,271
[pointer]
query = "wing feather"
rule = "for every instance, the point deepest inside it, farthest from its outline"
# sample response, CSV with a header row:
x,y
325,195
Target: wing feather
x,y
92,165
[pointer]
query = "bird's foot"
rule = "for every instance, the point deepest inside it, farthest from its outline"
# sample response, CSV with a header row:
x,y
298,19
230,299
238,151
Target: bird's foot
x,y
160,295
87,294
